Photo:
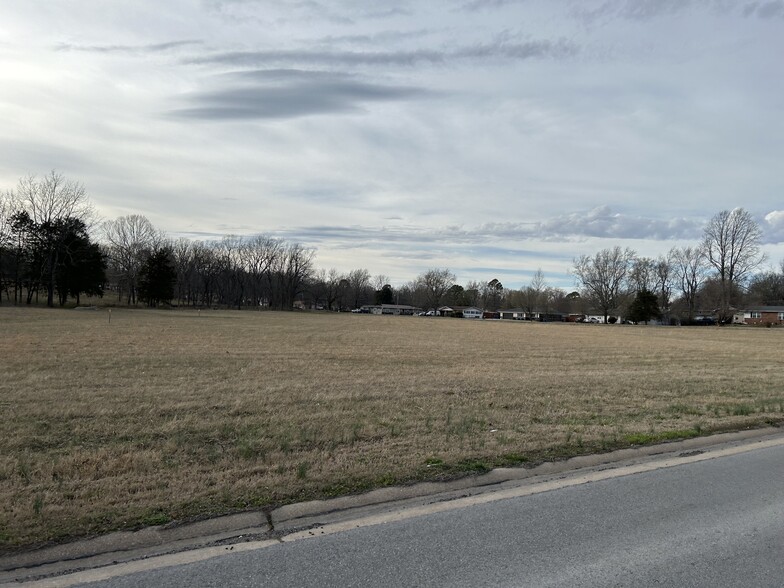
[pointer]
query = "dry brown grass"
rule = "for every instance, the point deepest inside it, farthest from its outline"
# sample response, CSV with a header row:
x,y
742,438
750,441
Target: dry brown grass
x,y
164,415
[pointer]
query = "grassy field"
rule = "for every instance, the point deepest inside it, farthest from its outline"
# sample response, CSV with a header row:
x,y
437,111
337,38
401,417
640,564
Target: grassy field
x,y
162,415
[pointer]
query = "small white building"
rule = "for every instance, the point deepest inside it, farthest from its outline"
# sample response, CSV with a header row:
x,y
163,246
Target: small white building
x,y
461,311
473,312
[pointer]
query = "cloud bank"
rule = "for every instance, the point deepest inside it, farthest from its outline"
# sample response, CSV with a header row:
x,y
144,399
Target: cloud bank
x,y
290,93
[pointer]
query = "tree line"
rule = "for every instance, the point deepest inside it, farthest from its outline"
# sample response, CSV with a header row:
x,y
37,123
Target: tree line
x,y
48,252
717,276
53,249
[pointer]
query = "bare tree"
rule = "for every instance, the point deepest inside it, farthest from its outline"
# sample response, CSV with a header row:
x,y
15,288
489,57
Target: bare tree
x,y
325,287
232,251
181,252
406,294
359,285
732,248
531,295
317,287
472,293
689,266
8,209
663,277
435,282
332,282
53,198
130,240
603,276
261,253
205,272
556,300
295,266
767,288
642,274
380,280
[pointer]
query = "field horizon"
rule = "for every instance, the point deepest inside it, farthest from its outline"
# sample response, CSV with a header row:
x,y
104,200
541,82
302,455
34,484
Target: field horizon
x,y
154,416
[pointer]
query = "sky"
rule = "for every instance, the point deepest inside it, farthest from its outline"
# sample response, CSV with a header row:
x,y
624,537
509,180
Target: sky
x,y
491,137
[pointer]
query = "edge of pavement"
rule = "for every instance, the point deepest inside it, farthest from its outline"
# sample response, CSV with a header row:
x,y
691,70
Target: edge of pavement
x,y
253,526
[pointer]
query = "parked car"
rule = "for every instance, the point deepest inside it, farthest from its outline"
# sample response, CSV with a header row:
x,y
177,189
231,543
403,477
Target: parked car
x,y
704,321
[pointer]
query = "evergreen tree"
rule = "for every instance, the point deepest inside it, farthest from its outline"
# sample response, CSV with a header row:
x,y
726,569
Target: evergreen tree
x,y
386,295
157,278
644,307
81,265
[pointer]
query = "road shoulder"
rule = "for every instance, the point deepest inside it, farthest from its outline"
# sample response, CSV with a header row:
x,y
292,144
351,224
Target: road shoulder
x,y
174,544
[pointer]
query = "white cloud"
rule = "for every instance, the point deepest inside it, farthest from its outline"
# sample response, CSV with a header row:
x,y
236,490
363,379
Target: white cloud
x,y
773,227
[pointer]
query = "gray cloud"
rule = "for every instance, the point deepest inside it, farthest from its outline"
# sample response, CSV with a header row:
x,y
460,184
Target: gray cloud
x,y
600,222
647,9
306,56
480,5
644,10
149,48
772,9
639,10
518,51
381,37
417,242
286,93
298,11
387,13
499,49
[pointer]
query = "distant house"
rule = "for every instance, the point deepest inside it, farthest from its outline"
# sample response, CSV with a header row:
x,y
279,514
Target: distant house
x,y
515,314
393,309
763,315
549,317
520,314
461,311
472,312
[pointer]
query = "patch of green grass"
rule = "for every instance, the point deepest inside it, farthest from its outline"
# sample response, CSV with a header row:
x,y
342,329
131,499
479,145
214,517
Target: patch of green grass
x,y
686,409
512,459
156,518
649,438
386,480
473,466
742,410
38,504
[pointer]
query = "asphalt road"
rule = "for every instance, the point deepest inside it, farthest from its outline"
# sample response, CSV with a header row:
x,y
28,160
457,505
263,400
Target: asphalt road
x,y
718,522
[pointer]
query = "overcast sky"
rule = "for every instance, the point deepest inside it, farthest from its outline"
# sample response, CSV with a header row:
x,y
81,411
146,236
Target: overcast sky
x,y
493,137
